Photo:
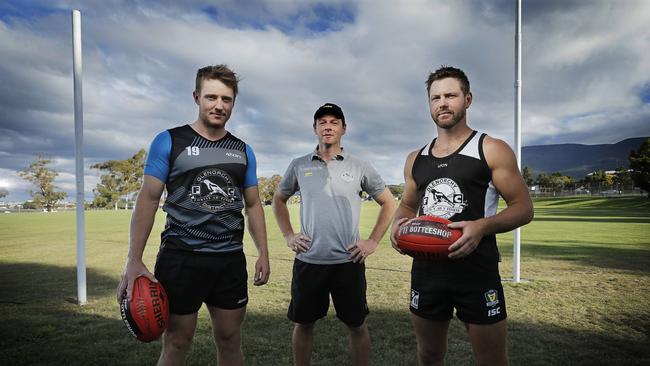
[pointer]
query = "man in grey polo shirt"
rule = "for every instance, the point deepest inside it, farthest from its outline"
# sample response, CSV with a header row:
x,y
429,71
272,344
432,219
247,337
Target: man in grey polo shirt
x,y
330,254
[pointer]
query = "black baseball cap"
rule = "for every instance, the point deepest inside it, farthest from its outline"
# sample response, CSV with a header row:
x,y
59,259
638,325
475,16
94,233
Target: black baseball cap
x,y
331,109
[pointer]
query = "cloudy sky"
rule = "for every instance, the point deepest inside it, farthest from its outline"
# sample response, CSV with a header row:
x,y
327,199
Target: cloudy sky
x,y
586,74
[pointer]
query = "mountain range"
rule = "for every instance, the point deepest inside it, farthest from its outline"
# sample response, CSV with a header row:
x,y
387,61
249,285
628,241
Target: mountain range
x,y
577,160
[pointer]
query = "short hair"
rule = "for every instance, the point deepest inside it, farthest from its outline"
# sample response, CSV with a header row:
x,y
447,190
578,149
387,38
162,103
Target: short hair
x,y
449,72
218,72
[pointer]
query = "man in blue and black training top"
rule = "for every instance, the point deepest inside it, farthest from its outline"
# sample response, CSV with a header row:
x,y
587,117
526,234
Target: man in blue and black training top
x,y
459,176
210,176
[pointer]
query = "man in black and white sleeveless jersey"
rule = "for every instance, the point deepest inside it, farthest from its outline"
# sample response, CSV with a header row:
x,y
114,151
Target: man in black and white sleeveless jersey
x,y
460,176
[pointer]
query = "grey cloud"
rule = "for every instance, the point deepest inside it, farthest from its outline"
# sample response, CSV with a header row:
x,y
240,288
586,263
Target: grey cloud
x,y
583,64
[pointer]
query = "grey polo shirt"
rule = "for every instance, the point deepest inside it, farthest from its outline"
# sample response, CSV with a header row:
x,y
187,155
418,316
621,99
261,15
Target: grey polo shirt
x,y
330,202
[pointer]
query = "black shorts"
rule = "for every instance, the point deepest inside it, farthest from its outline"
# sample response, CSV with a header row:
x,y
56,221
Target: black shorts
x,y
312,284
191,279
477,300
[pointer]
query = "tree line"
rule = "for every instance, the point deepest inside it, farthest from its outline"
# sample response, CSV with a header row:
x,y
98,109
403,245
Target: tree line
x,y
637,174
120,180
557,182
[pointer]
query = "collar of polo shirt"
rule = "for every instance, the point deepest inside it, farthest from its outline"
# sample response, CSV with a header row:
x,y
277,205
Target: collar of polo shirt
x,y
315,156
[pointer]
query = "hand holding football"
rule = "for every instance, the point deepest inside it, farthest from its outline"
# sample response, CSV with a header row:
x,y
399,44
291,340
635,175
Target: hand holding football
x,y
146,315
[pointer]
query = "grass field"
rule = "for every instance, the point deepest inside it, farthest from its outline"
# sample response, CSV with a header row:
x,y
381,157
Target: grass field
x,y
585,301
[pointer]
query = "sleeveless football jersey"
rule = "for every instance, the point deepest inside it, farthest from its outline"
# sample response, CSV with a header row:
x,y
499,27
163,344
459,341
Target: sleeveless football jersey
x,y
459,187
204,180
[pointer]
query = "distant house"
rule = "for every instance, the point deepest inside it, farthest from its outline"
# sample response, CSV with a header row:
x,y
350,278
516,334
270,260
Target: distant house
x,y
608,172
538,190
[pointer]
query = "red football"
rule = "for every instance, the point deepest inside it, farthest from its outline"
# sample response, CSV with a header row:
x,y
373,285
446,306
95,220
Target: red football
x,y
147,314
427,237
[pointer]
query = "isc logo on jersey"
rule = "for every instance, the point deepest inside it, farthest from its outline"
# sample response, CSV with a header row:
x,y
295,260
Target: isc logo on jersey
x,y
212,189
443,198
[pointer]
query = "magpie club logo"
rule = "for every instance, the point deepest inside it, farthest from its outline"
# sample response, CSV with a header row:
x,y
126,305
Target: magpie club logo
x,y
443,198
212,189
